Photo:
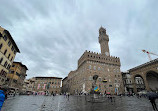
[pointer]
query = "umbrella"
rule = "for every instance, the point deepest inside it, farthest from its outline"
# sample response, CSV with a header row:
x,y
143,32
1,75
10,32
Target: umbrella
x,y
152,95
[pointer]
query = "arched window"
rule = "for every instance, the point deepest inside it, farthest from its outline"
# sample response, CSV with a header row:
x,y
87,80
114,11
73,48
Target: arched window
x,y
0,35
1,60
1,72
5,51
12,48
100,79
1,46
5,64
90,66
11,59
5,37
9,66
9,43
8,56
94,67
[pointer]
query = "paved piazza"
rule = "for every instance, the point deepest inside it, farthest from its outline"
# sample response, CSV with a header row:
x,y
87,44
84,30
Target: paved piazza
x,y
74,103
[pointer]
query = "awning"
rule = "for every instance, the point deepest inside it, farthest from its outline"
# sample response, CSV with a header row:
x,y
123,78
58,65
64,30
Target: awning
x,y
108,93
104,80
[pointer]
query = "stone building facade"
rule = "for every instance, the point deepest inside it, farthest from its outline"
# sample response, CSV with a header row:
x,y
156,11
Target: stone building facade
x,y
28,86
64,85
8,50
145,76
16,76
127,82
102,64
50,85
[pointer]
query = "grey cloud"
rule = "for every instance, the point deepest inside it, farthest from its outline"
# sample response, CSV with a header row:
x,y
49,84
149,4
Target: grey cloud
x,y
52,35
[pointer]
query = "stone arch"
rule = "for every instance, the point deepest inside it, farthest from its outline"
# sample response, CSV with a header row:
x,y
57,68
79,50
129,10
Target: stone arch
x,y
152,80
139,82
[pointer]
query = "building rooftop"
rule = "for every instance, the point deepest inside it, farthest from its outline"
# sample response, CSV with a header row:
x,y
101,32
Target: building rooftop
x,y
144,65
12,40
21,64
50,77
64,78
98,57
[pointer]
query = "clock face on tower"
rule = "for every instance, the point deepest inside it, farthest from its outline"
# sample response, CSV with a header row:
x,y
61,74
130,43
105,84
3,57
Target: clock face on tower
x,y
107,53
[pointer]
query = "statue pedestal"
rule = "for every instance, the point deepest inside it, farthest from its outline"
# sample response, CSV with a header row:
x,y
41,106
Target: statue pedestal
x,y
95,96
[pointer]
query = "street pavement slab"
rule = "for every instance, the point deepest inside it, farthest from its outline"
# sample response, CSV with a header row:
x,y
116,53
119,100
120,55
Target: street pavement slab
x,y
75,103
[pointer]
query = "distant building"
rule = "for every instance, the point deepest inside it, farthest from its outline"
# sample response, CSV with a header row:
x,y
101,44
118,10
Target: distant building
x,y
127,82
49,85
8,50
25,86
28,86
102,64
64,85
16,76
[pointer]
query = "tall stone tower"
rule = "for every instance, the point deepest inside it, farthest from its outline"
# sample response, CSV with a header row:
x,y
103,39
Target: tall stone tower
x,y
103,40
91,63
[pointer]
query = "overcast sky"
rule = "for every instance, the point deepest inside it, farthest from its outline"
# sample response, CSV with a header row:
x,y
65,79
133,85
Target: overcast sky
x,y
53,34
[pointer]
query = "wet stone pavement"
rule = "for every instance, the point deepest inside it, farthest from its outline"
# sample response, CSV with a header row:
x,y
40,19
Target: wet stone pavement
x,y
75,103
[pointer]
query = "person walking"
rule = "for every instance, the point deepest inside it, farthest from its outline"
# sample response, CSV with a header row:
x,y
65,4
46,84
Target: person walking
x,y
152,100
68,96
2,97
111,98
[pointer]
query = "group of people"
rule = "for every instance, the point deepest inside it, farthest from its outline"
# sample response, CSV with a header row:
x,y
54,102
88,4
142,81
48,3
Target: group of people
x,y
111,97
152,96
66,95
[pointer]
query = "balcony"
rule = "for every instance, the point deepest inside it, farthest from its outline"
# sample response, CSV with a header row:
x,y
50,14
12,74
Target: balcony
x,y
129,85
140,85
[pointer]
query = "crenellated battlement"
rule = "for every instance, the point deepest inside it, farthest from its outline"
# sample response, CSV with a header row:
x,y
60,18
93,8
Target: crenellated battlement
x,y
98,57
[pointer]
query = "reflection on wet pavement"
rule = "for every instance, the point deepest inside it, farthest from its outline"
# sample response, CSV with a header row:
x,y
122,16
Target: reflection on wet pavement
x,y
74,103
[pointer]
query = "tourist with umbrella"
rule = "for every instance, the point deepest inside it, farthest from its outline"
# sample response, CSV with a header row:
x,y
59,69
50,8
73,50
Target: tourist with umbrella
x,y
152,97
2,96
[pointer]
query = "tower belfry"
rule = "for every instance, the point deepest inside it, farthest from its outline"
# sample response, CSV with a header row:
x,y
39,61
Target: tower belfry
x,y
103,40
